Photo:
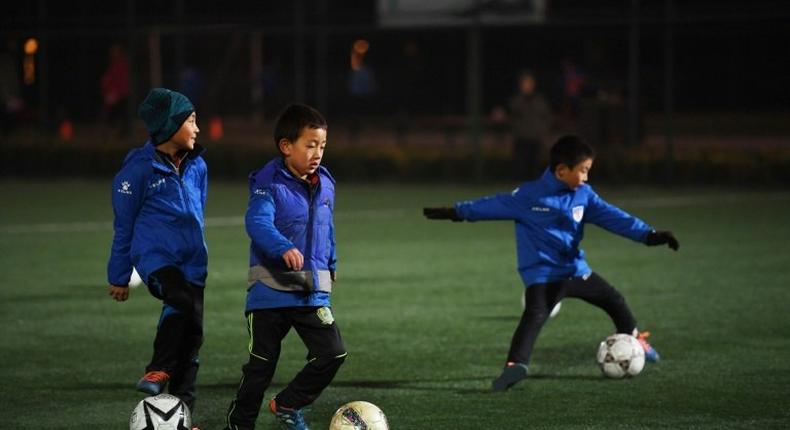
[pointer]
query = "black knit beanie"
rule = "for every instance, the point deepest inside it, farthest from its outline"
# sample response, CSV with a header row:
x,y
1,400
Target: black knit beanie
x,y
163,112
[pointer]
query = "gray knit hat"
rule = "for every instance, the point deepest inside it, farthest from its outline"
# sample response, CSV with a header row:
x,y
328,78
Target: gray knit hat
x,y
163,112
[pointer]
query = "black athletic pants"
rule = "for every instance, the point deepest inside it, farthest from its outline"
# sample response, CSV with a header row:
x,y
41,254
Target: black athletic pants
x,y
267,328
179,334
541,298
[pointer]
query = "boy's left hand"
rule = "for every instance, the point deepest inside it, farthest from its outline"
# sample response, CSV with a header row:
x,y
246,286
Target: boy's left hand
x,y
655,238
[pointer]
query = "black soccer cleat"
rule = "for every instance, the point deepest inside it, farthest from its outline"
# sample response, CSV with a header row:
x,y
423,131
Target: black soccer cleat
x,y
511,375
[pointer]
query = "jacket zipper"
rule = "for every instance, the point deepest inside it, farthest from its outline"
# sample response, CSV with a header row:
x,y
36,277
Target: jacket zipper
x,y
309,240
180,174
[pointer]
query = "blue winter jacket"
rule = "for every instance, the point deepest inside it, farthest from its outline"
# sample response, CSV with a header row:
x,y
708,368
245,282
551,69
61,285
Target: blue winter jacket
x,y
159,217
284,213
550,219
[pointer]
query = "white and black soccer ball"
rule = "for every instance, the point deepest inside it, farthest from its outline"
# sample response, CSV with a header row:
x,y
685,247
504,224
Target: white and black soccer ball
x,y
359,415
162,412
621,355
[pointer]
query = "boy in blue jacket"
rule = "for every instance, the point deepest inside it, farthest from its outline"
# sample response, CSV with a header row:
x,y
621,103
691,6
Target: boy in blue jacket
x,y
158,199
292,268
550,214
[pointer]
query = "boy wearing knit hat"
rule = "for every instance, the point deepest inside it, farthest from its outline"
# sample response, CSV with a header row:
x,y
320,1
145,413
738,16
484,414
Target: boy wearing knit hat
x,y
158,199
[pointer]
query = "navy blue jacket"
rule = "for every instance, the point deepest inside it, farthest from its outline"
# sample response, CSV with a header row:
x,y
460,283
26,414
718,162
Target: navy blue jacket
x,y
159,217
550,219
284,213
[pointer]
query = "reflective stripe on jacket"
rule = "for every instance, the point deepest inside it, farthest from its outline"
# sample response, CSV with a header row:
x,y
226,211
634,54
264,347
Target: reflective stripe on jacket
x,y
284,213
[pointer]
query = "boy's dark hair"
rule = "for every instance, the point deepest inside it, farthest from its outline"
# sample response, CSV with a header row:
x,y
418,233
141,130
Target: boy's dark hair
x,y
293,119
569,150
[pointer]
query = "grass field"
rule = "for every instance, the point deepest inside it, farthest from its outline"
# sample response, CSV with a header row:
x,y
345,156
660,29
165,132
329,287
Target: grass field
x,y
426,309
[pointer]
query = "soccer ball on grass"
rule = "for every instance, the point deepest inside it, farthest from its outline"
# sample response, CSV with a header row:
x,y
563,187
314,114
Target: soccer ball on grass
x,y
359,415
621,355
162,412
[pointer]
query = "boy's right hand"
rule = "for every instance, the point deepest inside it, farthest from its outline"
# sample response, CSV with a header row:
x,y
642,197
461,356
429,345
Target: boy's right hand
x,y
441,213
293,259
119,293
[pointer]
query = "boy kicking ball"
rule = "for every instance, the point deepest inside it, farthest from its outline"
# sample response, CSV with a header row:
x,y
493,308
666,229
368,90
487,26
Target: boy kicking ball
x,y
292,269
550,214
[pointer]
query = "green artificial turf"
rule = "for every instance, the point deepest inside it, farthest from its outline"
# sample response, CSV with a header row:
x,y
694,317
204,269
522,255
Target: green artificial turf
x,y
426,308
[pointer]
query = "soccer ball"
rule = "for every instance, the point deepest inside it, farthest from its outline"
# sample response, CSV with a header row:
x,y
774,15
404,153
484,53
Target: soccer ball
x,y
554,311
359,415
135,281
162,412
621,355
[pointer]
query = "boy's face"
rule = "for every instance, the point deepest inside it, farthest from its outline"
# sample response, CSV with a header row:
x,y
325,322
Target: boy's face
x,y
576,176
186,135
304,155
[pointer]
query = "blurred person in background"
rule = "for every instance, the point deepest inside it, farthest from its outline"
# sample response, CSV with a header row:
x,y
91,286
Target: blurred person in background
x,y
573,83
530,120
10,98
115,90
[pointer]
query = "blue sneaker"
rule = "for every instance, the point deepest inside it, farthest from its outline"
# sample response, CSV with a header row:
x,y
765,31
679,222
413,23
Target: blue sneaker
x,y
153,383
512,374
290,419
651,355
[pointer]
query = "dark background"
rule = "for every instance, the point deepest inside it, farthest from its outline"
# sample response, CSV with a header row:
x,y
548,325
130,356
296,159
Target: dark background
x,y
716,69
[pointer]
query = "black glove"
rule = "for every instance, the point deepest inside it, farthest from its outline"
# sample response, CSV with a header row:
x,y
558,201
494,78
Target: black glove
x,y
441,213
662,237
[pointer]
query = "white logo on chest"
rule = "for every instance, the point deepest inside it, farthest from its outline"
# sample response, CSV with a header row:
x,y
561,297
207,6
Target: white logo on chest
x,y
578,213
157,183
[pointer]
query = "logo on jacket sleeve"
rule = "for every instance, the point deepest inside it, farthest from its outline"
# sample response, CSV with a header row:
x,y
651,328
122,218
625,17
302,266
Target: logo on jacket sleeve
x,y
578,213
125,188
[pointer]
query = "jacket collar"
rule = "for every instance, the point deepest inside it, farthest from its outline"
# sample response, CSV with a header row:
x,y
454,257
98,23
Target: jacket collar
x,y
149,151
282,169
550,181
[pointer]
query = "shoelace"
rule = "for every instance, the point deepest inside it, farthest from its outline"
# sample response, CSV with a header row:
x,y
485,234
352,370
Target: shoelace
x,y
156,376
643,340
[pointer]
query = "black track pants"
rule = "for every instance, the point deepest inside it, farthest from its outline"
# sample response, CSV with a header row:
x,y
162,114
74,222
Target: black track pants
x,y
267,328
541,298
179,334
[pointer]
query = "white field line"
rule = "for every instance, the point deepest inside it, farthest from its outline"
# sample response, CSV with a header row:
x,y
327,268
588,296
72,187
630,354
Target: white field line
x,y
89,226
364,214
